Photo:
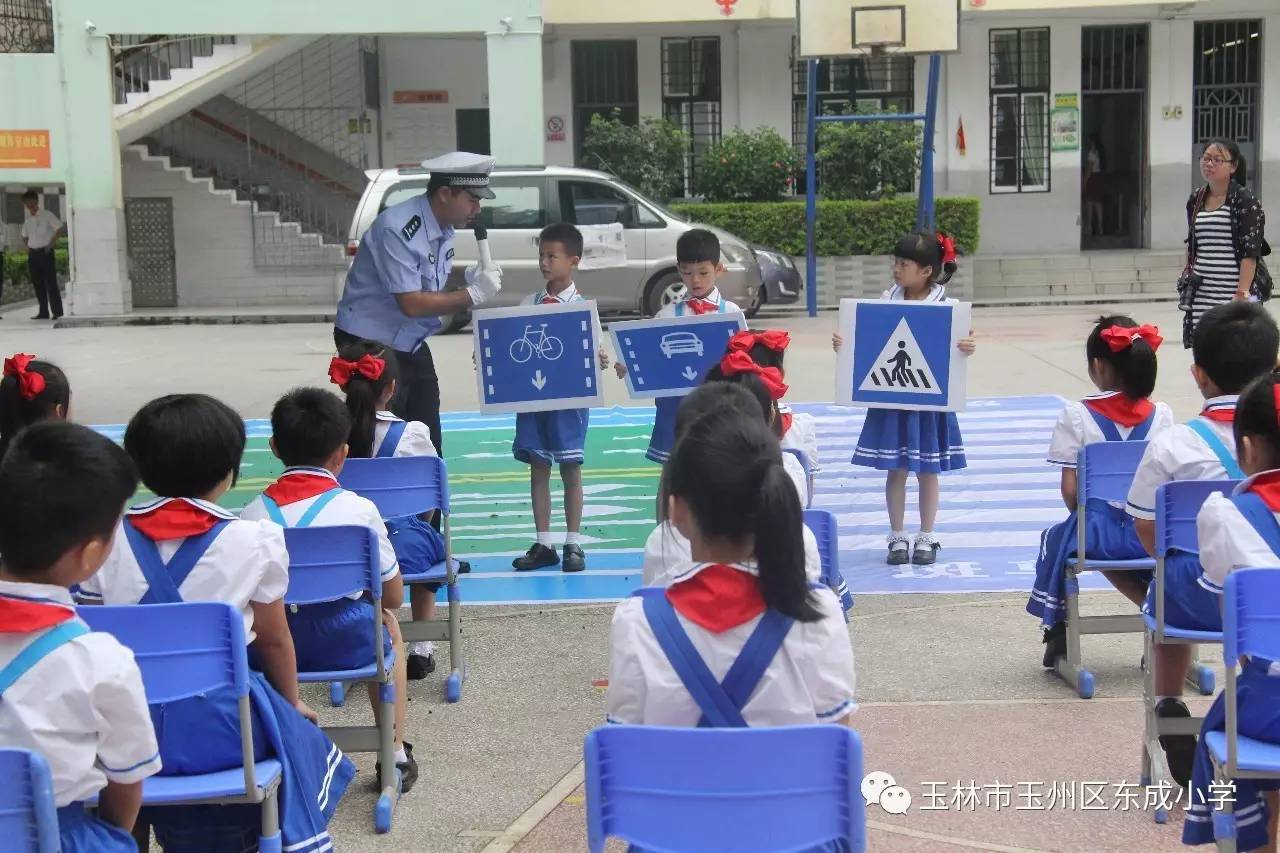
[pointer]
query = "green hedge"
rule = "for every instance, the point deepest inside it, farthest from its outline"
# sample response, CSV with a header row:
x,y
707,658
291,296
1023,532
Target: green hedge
x,y
17,284
843,227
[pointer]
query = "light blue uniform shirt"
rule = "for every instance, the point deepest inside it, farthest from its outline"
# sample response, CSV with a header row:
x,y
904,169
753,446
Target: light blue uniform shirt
x,y
404,251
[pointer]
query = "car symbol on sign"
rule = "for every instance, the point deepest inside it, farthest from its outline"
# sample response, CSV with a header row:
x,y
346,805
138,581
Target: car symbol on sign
x,y
674,343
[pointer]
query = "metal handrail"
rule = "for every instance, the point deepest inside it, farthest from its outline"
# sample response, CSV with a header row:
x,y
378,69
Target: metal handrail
x,y
26,26
139,61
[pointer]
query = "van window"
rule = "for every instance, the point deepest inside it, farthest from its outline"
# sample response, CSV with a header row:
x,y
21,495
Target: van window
x,y
402,192
594,203
519,203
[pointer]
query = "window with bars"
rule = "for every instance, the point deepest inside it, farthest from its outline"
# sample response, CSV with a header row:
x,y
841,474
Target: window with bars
x,y
691,94
1227,86
880,83
1019,86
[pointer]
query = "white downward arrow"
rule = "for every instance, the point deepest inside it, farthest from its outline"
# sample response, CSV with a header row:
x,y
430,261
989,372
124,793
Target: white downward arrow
x,y
539,381
690,374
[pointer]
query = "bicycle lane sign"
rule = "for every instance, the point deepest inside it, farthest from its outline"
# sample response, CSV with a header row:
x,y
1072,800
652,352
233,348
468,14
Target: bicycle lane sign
x,y
668,356
537,358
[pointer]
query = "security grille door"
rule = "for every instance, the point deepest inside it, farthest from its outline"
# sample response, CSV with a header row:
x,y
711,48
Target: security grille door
x,y
149,232
1228,90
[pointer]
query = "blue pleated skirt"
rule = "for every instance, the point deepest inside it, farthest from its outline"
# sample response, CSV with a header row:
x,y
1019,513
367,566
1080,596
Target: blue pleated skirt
x,y
82,832
895,440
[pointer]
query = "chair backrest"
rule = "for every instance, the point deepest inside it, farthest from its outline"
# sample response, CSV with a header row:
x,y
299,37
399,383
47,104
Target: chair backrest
x,y
28,814
823,525
713,790
1107,469
1251,615
803,459
399,487
1177,505
329,563
182,649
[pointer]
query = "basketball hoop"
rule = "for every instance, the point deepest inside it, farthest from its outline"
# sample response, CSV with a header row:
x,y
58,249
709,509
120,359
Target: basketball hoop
x,y
836,28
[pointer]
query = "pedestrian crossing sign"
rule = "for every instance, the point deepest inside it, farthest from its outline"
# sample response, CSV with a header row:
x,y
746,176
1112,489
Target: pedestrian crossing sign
x,y
902,355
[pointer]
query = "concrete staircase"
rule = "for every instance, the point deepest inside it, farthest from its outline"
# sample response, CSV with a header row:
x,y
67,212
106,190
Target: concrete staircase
x,y
1111,274
215,260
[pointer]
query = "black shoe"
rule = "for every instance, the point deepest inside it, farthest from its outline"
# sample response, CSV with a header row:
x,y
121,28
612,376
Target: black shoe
x,y
41,317
418,667
898,555
461,567
1179,750
408,770
1055,644
925,550
57,317
538,556
574,560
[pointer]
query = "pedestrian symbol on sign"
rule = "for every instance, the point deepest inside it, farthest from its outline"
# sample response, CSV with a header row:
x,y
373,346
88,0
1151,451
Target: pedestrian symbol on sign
x,y
901,366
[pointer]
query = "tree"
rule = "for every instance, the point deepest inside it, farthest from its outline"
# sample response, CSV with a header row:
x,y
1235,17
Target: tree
x,y
649,156
868,160
747,166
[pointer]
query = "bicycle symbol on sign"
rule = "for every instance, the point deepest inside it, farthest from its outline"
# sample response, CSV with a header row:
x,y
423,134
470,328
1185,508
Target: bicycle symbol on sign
x,y
537,342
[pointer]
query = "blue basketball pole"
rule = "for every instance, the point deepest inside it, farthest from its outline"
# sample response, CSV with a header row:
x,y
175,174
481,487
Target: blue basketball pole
x,y
925,220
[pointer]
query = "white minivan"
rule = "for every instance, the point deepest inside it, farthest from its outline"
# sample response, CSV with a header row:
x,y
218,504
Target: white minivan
x,y
530,198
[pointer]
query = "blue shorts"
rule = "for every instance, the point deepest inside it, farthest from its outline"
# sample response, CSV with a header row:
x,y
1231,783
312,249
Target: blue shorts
x,y
1188,604
335,635
663,440
82,832
547,438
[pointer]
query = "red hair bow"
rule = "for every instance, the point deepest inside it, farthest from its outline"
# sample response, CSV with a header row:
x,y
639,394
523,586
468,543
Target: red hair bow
x,y
1120,338
368,366
947,246
1275,392
30,383
739,362
775,339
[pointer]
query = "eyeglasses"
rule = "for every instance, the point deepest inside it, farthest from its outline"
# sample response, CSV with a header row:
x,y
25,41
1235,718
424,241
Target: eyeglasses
x,y
1214,161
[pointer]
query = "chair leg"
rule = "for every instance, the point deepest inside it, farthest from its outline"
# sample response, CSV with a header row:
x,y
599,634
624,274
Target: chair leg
x,y
338,693
269,842
1224,819
457,664
389,781
1155,769
1200,677
1069,667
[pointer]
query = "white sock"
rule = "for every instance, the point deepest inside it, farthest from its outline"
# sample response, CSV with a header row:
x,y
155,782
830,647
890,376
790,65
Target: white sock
x,y
426,648
897,535
402,757
572,538
544,538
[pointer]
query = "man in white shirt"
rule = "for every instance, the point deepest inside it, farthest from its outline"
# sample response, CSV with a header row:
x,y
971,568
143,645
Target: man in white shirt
x,y
39,232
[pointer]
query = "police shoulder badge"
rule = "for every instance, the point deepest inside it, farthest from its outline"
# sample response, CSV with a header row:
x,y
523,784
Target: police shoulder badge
x,y
411,227
448,256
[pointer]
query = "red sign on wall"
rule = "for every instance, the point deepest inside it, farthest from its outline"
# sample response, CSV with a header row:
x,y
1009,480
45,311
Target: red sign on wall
x,y
420,96
726,6
24,149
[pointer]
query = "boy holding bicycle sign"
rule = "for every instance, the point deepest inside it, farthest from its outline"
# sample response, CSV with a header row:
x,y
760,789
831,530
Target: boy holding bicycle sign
x,y
543,438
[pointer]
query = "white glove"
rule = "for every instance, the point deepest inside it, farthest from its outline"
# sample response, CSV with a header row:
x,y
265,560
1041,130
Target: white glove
x,y
472,271
483,284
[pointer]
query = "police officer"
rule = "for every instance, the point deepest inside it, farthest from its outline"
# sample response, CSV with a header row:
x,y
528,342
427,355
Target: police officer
x,y
394,293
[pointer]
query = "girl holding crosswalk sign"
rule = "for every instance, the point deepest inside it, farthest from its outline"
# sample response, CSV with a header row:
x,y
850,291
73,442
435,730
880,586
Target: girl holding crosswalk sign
x,y
899,441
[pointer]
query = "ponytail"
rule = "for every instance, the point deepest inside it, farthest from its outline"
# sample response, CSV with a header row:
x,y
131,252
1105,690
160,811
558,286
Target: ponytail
x,y
780,546
1258,415
363,372
30,391
1129,349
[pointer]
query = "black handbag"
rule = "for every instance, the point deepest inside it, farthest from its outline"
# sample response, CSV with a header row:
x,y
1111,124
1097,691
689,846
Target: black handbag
x,y
1189,282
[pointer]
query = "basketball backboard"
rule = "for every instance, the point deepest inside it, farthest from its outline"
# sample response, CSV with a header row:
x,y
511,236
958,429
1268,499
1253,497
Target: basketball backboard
x,y
865,27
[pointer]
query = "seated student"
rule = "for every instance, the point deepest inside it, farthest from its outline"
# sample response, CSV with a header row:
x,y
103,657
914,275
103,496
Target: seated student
x,y
309,432
1122,364
1234,344
72,695
727,493
182,546
1236,533
368,379
30,390
666,551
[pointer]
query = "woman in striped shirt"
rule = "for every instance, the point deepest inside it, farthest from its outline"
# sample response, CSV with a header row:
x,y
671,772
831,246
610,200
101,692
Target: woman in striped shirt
x,y
1225,224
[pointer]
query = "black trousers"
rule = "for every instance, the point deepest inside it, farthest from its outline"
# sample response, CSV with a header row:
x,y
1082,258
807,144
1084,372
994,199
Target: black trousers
x,y
44,278
418,388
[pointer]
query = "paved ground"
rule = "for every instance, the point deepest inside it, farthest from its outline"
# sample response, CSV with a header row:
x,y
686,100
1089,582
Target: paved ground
x,y
951,687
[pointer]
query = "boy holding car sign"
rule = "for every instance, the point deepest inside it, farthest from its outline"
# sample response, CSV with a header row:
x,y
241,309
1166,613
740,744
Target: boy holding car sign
x,y
559,437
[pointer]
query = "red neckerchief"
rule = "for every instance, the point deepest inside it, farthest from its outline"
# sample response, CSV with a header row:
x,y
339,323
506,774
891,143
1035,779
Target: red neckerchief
x,y
292,488
702,306
173,519
1267,487
787,420
19,616
1119,409
1222,415
717,598
549,300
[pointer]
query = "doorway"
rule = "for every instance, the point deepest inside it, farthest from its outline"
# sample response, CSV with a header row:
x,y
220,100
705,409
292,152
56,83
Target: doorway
x,y
149,239
605,79
1114,194
473,131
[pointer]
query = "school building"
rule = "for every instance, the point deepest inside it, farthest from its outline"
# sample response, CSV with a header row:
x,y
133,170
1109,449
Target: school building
x,y
211,156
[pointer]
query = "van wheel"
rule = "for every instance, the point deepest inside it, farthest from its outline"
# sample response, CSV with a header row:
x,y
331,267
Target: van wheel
x,y
455,322
757,301
663,290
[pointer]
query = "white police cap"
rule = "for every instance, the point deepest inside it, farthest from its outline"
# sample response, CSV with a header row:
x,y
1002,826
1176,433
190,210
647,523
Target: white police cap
x,y
462,169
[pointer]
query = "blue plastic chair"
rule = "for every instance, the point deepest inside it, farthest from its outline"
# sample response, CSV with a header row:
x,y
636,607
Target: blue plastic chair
x,y
1177,505
1250,626
327,564
731,790
1104,473
413,486
825,530
184,650
28,814
808,472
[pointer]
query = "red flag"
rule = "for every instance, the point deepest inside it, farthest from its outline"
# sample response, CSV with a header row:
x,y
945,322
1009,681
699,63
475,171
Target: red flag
x,y
960,143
